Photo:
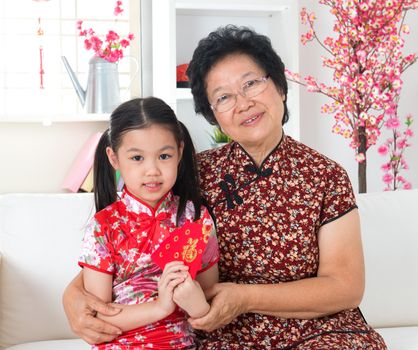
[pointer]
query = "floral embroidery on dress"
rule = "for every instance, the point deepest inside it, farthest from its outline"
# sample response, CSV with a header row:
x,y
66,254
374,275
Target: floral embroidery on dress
x,y
119,240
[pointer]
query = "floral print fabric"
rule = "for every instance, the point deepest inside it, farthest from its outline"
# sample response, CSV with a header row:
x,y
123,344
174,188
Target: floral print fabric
x,y
119,241
267,221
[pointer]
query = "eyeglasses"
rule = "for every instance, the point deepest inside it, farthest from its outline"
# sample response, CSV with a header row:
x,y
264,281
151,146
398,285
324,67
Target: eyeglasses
x,y
249,89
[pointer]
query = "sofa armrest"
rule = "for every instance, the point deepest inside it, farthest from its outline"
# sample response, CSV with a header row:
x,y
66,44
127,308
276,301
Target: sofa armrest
x,y
40,237
389,224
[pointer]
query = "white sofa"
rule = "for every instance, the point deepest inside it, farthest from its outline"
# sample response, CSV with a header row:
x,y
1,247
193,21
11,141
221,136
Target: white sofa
x,y
40,238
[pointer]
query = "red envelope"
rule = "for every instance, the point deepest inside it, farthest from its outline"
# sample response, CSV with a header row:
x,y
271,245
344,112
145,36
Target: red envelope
x,y
185,244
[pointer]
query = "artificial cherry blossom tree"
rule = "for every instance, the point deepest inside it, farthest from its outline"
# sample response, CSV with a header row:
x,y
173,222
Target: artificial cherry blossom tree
x,y
394,148
367,60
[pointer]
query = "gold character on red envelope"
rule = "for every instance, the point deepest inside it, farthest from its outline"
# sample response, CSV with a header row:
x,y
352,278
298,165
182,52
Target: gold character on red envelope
x,y
189,250
186,244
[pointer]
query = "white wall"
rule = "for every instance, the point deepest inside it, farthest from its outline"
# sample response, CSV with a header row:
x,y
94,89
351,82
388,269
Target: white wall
x,y
36,158
316,127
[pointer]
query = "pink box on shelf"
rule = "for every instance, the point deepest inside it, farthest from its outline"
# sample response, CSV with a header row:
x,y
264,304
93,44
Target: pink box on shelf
x,y
82,164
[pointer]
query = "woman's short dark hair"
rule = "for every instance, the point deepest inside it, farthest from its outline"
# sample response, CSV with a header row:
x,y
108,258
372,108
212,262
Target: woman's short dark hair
x,y
226,41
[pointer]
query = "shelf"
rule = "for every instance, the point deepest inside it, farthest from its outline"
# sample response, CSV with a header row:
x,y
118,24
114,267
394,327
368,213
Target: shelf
x,y
48,120
184,94
179,25
208,8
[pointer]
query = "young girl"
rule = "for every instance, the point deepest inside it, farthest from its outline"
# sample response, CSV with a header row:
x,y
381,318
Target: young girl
x,y
155,156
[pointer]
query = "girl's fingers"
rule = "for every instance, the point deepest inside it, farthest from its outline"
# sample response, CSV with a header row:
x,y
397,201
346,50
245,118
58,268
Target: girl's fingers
x,y
164,282
175,266
174,283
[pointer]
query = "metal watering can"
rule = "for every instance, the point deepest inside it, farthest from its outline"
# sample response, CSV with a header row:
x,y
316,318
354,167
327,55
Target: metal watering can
x,y
102,94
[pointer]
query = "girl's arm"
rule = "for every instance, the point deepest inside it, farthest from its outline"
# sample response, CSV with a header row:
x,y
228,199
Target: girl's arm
x,y
189,295
134,316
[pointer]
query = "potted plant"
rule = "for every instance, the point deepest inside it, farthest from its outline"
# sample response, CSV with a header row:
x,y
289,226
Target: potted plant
x,y
219,138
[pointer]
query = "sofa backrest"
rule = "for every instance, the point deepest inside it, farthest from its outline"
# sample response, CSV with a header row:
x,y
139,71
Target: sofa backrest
x,y
40,236
389,222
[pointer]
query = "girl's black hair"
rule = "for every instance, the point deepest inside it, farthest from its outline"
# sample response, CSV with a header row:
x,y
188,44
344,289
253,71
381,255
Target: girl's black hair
x,y
227,41
140,113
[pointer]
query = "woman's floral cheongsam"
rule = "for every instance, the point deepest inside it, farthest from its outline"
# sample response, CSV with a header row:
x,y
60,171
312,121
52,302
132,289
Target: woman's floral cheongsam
x,y
268,218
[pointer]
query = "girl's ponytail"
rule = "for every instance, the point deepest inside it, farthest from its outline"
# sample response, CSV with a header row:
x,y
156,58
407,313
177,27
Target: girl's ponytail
x,y
104,175
187,184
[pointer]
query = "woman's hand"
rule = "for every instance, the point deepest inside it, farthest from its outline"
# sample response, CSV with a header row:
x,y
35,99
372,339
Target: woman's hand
x,y
226,305
81,308
174,273
190,297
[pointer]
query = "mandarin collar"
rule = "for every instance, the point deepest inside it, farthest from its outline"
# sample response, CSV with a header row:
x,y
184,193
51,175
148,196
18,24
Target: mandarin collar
x,y
238,152
136,205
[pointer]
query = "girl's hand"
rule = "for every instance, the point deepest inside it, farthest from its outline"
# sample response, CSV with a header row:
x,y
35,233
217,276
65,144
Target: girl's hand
x,y
190,297
174,273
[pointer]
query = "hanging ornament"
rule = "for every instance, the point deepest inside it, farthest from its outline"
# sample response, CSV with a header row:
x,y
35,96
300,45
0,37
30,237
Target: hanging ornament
x,y
41,55
40,34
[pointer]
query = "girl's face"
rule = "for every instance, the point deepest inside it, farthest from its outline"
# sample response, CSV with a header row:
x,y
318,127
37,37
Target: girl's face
x,y
252,121
148,160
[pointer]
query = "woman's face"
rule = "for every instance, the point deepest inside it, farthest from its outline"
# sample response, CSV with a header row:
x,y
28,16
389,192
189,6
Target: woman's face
x,y
255,121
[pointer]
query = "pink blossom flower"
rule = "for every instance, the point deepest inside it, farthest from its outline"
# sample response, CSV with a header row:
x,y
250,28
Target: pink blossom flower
x,y
385,167
383,150
118,9
409,133
392,123
111,49
387,178
400,178
405,29
112,36
402,143
404,164
407,185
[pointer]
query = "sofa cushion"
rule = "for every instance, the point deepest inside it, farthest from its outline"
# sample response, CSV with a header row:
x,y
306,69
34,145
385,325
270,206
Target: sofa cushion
x,y
40,237
389,224
400,338
67,344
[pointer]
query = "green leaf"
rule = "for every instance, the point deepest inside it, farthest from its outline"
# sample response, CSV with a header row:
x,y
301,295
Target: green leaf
x,y
219,137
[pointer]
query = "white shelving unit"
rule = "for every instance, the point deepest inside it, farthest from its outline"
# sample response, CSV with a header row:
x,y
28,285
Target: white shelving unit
x,y
48,120
177,27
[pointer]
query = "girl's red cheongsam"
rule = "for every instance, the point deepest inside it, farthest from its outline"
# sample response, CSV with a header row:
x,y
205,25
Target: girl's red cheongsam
x,y
119,240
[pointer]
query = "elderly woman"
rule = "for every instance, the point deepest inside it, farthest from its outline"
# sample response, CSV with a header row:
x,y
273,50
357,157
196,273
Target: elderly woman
x,y
291,267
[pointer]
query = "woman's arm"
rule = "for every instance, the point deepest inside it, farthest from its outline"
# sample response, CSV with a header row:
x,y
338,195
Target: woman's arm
x,y
137,315
81,308
339,283
189,295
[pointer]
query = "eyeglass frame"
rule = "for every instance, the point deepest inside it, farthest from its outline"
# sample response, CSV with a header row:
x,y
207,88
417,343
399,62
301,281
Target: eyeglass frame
x,y
263,79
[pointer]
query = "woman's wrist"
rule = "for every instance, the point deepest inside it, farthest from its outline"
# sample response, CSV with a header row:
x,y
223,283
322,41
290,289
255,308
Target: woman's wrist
x,y
244,294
